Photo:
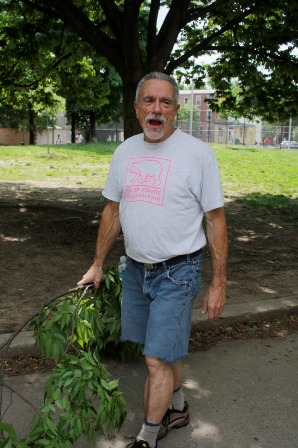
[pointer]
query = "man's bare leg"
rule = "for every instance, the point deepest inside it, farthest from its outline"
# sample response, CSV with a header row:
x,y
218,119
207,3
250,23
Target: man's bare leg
x,y
177,372
177,380
158,389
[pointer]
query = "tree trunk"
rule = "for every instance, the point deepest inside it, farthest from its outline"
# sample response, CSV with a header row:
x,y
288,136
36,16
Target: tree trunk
x,y
73,127
92,117
131,123
31,126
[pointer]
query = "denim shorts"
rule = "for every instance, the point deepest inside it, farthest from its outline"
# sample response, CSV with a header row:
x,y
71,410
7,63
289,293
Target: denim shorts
x,y
157,305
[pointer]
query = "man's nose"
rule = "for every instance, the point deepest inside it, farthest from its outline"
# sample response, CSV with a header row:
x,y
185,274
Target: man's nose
x,y
156,107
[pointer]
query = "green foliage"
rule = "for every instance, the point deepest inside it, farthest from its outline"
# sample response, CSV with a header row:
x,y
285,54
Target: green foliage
x,y
85,322
9,438
70,409
81,398
184,113
90,85
255,41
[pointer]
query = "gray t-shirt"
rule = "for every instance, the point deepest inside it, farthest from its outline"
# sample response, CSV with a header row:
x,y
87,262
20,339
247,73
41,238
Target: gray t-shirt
x,y
163,189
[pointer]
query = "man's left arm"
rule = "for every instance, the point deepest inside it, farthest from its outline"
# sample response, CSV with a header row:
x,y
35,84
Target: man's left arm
x,y
215,297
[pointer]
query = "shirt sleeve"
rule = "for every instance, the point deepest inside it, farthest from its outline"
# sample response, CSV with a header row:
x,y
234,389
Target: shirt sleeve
x,y
112,190
211,188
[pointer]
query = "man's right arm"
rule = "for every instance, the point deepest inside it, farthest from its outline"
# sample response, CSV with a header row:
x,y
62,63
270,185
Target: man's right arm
x,y
107,234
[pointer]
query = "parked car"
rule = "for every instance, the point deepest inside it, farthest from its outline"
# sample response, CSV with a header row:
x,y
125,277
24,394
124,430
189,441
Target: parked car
x,y
285,144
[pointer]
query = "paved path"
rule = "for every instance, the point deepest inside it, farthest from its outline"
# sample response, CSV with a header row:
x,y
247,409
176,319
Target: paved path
x,y
242,394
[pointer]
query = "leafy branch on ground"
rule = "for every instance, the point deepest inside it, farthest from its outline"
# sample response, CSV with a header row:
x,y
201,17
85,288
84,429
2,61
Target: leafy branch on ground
x,y
80,396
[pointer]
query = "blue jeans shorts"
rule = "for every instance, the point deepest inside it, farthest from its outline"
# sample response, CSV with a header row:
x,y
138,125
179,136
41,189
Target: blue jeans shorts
x,y
157,305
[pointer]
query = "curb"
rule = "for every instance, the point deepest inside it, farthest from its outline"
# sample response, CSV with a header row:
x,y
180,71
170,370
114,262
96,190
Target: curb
x,y
246,312
24,343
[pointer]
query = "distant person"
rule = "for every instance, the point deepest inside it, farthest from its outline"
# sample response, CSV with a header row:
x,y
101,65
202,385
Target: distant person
x,y
79,138
59,139
266,142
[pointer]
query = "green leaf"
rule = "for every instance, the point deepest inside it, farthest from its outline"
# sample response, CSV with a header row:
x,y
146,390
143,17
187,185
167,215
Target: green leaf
x,y
9,429
55,352
105,384
49,425
113,384
44,442
57,394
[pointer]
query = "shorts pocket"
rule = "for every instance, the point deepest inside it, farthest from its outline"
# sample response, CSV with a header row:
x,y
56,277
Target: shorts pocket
x,y
181,276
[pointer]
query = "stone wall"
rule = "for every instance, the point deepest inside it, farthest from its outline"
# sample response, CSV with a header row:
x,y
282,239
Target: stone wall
x,y
12,137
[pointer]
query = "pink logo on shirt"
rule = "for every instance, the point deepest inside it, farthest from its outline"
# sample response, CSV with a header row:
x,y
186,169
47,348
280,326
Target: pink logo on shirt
x,y
146,179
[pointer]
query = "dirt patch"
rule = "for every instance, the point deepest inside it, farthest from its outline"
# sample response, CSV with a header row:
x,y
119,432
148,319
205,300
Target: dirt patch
x,y
202,340
48,235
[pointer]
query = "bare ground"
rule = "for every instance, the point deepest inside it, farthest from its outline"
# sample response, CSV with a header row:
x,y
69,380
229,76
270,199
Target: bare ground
x,y
48,234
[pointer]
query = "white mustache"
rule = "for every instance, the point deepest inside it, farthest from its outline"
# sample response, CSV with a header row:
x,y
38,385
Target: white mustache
x,y
155,117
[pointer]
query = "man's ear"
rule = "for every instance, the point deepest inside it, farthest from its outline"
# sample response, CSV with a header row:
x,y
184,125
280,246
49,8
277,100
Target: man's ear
x,y
136,108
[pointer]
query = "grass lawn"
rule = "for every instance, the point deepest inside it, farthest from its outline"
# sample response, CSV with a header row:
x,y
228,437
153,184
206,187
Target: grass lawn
x,y
83,165
260,177
257,175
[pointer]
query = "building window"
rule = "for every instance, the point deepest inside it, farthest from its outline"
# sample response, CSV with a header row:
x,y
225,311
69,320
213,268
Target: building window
x,y
209,115
198,100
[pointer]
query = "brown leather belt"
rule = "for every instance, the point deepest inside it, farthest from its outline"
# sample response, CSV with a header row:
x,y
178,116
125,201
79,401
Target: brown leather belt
x,y
170,261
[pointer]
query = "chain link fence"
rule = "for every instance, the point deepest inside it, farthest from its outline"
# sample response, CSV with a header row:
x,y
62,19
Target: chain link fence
x,y
227,133
235,133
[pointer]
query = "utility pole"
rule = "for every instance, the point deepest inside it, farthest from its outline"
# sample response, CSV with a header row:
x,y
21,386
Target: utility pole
x,y
191,109
290,133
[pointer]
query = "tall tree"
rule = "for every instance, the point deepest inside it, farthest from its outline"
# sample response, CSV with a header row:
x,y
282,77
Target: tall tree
x,y
92,90
33,108
125,32
34,47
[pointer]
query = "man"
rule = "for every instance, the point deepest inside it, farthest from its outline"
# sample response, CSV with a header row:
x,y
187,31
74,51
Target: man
x,y
160,185
79,138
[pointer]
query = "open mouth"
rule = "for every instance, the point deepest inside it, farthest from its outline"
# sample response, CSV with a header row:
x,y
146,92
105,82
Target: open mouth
x,y
155,122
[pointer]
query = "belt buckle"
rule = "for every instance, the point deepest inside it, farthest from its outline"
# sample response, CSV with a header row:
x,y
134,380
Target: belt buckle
x,y
149,266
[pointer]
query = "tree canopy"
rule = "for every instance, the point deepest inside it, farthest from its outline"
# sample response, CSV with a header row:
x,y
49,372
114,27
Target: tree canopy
x,y
255,40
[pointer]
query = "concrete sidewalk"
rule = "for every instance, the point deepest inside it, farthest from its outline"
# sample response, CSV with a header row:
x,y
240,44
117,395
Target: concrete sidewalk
x,y
242,394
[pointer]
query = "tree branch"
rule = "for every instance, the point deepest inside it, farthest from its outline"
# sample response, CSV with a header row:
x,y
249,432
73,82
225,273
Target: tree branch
x,y
151,33
232,48
113,15
249,50
130,40
202,12
168,33
205,43
78,22
6,345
